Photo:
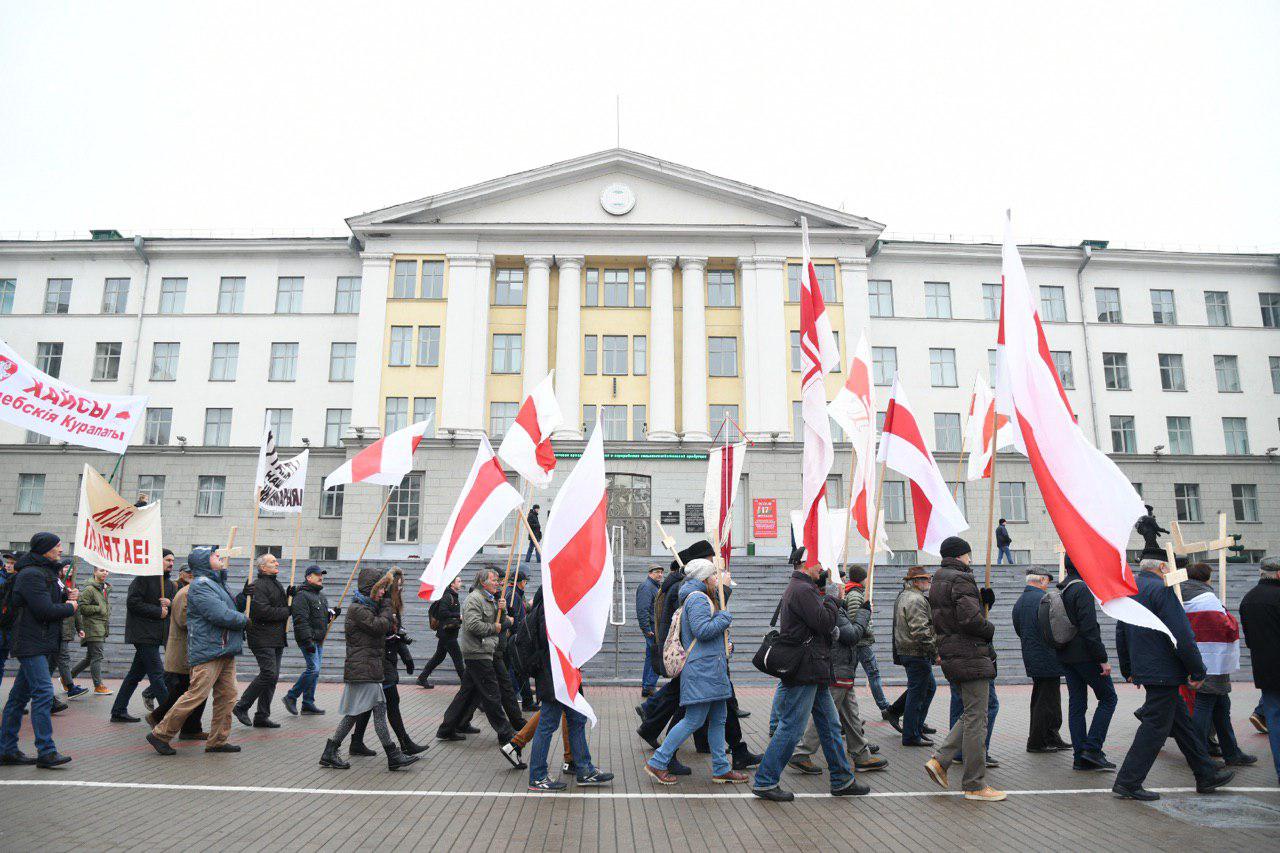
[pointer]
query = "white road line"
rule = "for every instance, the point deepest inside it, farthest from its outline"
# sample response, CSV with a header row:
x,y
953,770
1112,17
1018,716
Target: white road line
x,y
600,794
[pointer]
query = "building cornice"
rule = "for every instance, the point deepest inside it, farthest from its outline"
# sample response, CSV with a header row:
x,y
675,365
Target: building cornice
x,y
1070,255
174,247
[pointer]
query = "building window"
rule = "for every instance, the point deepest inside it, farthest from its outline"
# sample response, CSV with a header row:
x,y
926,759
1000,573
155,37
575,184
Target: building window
x,y
1013,501
401,346
49,357
884,365
992,294
1244,501
1275,373
405,283
231,295
722,356
1115,371
960,494
106,362
397,415
8,291
946,431
1173,376
588,419
217,427
640,355
639,424
937,299
433,279
1124,437
1108,304
321,553
151,485
508,287
342,362
591,281
1163,311
36,438
640,288
589,356
1053,304
795,352
1062,364
615,355
289,295
1186,501
826,274
331,502
1227,368
210,491
1217,308
57,296
616,285
614,421
173,295
336,422
721,287
30,494
797,420
993,365
894,502
164,362
506,353
346,298
880,298
404,508
156,426
280,422
284,362
1180,442
1270,305
723,420
424,408
223,361
115,296
428,346
1235,431
942,368
501,417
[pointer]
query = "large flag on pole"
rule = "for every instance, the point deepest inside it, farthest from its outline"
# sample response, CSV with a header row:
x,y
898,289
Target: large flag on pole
x,y
724,473
113,534
903,449
281,484
577,574
485,502
819,354
854,408
385,462
527,445
1092,504
987,430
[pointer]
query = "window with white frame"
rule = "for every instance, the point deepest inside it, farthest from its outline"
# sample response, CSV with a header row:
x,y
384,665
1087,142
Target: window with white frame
x,y
1124,436
173,295
280,421
721,289
331,502
284,362
501,417
589,366
33,437
1269,303
49,357
1053,303
336,422
615,355
346,296
640,355
1108,304
1163,310
1217,308
433,279
8,292
992,365
640,288
880,298
884,365
224,359
1275,373
722,356
424,409
106,361
1173,374
428,346
289,295
1244,502
639,423
342,361
724,419
992,294
1235,432
151,485
826,274
942,367
937,299
613,419
1180,441
960,494
217,427
617,284
1013,501
164,361
211,489
57,296
795,352
30,494
508,287
1115,371
894,502
115,296
397,415
1062,364
588,419
400,348
506,353
1227,369
231,295
157,426
404,509
1186,501
591,288
946,431
404,285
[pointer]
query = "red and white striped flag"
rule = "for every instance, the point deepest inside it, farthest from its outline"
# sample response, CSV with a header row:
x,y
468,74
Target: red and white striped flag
x,y
987,430
903,449
1217,633
527,445
486,500
385,462
854,408
819,354
1092,504
577,574
724,473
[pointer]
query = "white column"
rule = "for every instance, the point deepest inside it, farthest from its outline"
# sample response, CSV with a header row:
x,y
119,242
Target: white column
x,y
693,388
853,279
662,350
765,345
537,322
375,279
466,345
569,344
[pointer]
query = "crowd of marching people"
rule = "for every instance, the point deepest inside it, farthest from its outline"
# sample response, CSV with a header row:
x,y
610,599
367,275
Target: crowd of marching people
x,y
189,631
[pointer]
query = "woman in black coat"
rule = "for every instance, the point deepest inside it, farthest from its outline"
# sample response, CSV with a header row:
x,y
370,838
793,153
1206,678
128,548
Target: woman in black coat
x,y
397,650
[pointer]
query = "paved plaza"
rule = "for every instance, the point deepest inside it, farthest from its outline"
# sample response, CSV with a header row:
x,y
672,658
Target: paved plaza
x,y
118,793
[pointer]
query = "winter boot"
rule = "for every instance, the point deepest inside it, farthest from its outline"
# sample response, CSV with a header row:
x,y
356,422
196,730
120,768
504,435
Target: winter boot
x,y
332,758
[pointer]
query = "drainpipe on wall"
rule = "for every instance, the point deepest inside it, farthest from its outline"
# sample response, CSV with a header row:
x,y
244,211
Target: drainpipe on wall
x,y
139,248
1087,251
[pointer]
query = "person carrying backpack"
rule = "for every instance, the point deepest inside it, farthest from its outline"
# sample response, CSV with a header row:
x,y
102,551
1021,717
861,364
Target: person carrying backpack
x,y
1084,663
1041,664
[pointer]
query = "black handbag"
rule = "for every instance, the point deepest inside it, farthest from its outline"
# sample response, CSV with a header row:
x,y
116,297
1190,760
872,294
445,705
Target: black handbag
x,y
776,656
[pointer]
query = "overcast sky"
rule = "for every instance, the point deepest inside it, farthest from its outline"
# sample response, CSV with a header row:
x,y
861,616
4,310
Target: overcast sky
x,y
1135,122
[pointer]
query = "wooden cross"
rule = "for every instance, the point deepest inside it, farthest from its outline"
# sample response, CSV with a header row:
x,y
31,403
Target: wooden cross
x,y
670,544
1175,576
231,550
1221,544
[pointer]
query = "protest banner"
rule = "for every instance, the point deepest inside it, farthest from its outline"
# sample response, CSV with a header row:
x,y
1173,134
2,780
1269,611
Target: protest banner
x,y
280,484
113,534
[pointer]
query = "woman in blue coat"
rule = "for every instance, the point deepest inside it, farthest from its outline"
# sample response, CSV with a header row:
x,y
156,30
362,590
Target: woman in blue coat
x,y
704,681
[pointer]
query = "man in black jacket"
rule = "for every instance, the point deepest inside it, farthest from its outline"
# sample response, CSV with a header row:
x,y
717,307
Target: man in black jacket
x,y
311,617
268,613
535,528
1260,619
38,604
1084,663
1041,665
146,626
448,615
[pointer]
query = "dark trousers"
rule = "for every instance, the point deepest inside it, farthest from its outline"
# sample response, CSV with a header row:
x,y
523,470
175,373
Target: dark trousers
x,y
148,664
479,686
394,718
1081,678
1161,715
507,696
1046,713
263,687
446,644
177,683
921,685
1213,713
519,681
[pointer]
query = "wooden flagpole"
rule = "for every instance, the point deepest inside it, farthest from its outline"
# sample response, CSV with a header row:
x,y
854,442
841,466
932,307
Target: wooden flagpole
x,y
253,544
848,516
991,509
875,527
515,542
293,562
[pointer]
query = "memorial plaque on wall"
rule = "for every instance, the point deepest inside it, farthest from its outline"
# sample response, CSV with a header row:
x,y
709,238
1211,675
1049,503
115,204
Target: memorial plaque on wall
x,y
693,520
669,516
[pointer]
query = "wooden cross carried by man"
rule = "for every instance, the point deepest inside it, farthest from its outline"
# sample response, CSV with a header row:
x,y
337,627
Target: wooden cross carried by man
x,y
1221,544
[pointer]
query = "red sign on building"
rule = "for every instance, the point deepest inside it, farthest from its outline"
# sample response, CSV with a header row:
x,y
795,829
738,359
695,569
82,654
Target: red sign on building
x,y
764,518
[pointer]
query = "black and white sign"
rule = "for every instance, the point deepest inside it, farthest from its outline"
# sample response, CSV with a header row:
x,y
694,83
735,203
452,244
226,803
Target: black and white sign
x,y
693,519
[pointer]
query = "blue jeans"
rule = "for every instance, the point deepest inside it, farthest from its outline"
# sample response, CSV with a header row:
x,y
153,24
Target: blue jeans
x,y
921,686
993,706
711,713
867,659
1082,677
531,555
1213,712
146,663
1270,706
649,678
305,686
796,704
1005,555
548,723
31,683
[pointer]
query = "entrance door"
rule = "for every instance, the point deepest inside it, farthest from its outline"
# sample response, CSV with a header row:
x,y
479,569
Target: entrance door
x,y
631,507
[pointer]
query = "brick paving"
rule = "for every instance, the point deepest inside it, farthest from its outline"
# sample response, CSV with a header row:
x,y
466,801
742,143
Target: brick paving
x,y
463,796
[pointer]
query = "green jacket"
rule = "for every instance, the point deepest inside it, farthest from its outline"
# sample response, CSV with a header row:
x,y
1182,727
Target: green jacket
x,y
94,614
477,639
854,595
913,634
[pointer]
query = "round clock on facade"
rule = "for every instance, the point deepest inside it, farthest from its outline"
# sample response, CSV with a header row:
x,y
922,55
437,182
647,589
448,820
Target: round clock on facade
x,y
617,199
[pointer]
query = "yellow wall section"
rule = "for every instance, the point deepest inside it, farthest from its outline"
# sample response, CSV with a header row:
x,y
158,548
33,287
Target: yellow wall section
x,y
726,323
413,381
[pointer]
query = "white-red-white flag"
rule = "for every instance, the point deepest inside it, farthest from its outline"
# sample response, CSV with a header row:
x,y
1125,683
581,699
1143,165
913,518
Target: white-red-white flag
x,y
818,355
854,408
577,574
486,501
903,449
1092,504
986,431
385,462
724,473
527,445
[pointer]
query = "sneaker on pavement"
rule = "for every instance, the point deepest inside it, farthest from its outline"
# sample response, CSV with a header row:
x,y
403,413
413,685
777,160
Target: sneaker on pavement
x,y
312,709
992,762
595,777
774,794
547,786
805,766
746,760
569,768
1259,723
102,690
161,746
511,752
892,719
662,777
853,789
936,771
986,795
75,691
733,777
870,763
